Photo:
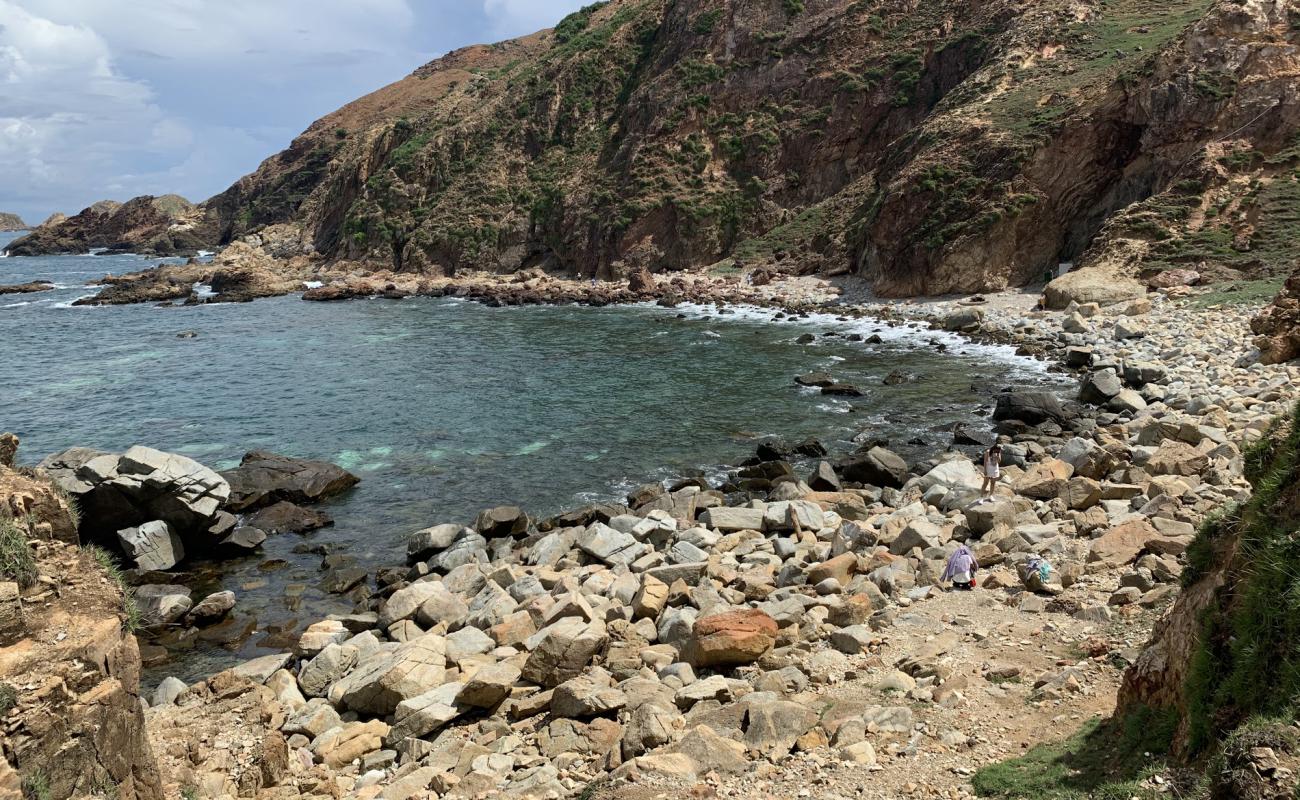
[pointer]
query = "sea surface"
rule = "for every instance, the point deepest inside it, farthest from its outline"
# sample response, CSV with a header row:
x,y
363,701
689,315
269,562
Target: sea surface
x,y
445,407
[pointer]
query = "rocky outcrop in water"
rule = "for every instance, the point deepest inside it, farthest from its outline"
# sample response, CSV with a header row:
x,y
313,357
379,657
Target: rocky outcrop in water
x,y
164,226
263,478
150,500
26,288
12,222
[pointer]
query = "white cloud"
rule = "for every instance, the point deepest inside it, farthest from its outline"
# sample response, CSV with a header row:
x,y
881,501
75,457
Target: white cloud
x,y
232,31
105,98
518,17
113,98
66,114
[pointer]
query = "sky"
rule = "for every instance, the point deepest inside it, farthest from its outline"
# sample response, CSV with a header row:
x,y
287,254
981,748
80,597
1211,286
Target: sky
x,y
110,99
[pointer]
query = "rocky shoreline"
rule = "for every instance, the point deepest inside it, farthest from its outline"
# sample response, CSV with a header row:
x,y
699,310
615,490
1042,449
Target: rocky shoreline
x,y
680,638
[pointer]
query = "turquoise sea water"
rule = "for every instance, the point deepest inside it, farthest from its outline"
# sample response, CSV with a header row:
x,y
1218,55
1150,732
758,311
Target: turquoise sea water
x,y
445,407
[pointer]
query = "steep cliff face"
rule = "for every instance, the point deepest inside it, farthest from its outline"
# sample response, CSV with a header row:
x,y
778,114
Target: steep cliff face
x,y
932,147
1226,653
968,145
167,225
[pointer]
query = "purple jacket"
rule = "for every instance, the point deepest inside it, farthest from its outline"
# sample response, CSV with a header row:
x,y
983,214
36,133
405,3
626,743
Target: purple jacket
x,y
963,560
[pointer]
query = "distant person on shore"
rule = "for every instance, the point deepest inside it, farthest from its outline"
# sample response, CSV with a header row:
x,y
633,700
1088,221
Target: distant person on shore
x,y
992,469
961,569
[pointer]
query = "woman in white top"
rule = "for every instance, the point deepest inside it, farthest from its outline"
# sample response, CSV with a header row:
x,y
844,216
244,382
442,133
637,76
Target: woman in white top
x,y
992,468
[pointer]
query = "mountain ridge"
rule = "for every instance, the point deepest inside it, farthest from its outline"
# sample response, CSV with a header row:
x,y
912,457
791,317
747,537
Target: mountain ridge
x,y
957,148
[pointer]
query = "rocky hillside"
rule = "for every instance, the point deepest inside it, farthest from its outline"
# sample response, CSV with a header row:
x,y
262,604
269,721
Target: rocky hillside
x,y
167,225
1225,658
71,722
12,222
929,147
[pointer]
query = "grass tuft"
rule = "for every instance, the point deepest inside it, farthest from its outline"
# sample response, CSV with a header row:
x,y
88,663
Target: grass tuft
x,y
132,617
17,561
36,786
8,698
1239,293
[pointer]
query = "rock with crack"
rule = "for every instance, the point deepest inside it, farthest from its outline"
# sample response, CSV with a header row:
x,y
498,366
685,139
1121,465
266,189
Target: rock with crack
x,y
152,546
382,681
562,650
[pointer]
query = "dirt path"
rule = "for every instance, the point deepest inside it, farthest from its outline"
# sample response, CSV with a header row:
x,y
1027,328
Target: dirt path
x,y
998,651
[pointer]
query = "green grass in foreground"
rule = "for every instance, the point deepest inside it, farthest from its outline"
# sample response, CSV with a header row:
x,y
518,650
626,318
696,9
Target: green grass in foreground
x,y
1103,761
1240,293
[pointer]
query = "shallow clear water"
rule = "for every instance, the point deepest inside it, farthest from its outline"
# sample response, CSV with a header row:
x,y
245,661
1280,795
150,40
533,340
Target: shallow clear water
x,y
444,407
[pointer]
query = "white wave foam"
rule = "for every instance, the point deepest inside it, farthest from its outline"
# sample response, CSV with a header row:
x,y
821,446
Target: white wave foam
x,y
897,335
835,408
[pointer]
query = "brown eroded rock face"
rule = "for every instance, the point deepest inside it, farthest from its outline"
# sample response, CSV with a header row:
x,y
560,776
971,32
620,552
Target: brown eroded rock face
x,y
1277,327
731,639
931,148
221,737
75,723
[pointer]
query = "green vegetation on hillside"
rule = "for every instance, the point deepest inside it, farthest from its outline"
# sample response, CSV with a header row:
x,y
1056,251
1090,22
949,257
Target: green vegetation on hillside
x,y
1247,662
1121,40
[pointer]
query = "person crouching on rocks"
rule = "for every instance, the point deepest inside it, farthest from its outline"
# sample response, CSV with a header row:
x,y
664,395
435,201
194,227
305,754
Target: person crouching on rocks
x,y
961,569
992,469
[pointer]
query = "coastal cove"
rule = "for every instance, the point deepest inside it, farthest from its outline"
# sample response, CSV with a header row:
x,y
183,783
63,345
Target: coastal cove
x,y
445,407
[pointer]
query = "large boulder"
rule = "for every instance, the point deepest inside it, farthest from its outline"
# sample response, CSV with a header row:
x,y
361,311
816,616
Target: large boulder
x,y
162,603
385,679
1032,408
563,650
152,545
1045,479
142,485
1091,286
732,638
1177,458
1099,387
964,319
877,467
986,514
958,473
263,478
1121,544
286,517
